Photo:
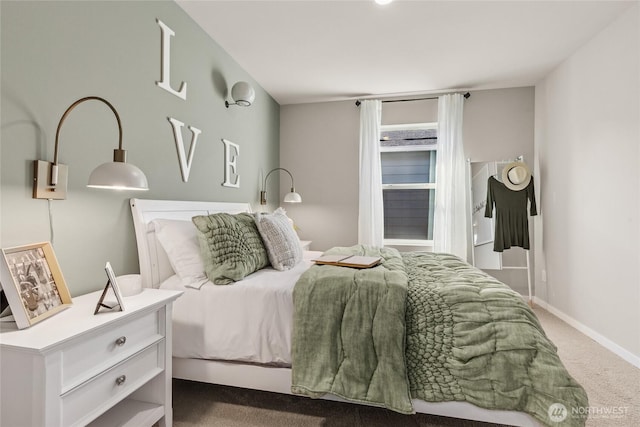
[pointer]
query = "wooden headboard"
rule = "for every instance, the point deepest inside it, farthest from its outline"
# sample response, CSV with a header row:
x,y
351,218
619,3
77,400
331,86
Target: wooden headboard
x,y
154,264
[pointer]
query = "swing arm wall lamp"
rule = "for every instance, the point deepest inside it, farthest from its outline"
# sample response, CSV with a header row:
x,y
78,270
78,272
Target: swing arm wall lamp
x,y
290,197
50,179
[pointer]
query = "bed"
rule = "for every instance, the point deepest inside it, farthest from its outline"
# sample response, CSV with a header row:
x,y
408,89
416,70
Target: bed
x,y
250,349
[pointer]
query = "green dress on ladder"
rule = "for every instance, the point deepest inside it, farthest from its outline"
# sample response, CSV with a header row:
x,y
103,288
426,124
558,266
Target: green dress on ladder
x,y
512,223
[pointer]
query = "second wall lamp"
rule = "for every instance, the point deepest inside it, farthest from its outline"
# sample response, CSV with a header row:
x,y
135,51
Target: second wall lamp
x,y
243,95
290,197
50,181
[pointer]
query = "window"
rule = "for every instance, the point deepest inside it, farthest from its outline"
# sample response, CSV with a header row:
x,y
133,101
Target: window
x,y
408,157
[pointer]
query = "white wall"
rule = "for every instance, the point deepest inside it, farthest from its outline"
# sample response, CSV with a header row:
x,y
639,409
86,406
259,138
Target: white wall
x,y
319,145
587,145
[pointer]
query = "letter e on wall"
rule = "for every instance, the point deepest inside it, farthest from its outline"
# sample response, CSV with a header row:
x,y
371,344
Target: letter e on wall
x,y
231,153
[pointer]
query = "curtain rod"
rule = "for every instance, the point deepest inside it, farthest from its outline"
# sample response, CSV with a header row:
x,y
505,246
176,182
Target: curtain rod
x,y
467,95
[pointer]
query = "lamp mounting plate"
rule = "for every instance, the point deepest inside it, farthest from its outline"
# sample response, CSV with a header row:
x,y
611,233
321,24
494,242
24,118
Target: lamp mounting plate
x,y
41,176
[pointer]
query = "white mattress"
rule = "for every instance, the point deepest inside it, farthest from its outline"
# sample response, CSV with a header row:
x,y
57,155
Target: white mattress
x,y
248,321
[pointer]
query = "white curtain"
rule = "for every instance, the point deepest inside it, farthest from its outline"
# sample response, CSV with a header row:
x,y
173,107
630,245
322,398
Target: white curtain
x,y
371,212
450,216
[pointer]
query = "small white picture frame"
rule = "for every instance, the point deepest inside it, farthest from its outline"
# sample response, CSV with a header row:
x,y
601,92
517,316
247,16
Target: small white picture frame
x,y
113,283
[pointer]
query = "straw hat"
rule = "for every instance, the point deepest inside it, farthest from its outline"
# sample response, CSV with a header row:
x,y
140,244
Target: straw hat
x,y
516,176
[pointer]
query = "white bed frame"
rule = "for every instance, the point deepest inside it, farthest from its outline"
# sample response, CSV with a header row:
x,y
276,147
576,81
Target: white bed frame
x,y
154,268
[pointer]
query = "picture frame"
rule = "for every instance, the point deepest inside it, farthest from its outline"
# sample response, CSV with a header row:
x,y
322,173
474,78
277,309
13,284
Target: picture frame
x,y
33,283
112,283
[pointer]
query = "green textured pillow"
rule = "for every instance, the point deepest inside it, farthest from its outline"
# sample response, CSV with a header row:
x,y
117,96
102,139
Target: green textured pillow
x,y
231,246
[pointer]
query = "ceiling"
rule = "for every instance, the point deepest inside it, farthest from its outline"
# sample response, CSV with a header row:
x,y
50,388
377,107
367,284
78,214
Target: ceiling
x,y
303,51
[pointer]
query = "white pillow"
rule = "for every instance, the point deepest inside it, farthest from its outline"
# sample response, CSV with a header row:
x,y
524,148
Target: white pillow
x,y
280,239
179,239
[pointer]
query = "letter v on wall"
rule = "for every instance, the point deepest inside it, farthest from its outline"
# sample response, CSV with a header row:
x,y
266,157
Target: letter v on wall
x,y
185,164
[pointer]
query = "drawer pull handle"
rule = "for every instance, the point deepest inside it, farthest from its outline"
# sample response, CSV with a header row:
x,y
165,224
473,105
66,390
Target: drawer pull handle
x,y
120,341
121,379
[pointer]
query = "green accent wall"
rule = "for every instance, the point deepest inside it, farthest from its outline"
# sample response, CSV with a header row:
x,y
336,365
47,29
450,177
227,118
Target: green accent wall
x,y
53,53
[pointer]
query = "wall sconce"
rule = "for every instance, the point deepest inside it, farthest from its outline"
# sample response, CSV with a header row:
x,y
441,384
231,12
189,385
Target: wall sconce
x,y
50,180
243,95
291,197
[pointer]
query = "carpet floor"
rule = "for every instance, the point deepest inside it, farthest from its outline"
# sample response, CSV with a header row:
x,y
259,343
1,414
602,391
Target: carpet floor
x,y
612,384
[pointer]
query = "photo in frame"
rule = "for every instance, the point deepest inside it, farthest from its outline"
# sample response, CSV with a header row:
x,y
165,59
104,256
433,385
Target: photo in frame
x,y
33,283
112,283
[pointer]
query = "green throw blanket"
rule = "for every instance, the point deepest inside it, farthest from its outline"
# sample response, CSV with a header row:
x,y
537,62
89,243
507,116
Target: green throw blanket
x,y
468,338
349,332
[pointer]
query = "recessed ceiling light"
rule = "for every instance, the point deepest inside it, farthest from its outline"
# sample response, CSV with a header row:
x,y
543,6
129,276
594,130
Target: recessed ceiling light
x,y
383,1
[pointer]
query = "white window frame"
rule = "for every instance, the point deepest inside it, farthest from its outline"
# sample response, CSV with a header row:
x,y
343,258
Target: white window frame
x,y
417,186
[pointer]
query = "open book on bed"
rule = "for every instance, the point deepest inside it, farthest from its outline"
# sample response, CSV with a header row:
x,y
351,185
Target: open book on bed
x,y
354,261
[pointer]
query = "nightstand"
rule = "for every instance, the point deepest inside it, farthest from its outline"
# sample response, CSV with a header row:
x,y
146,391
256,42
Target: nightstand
x,y
76,368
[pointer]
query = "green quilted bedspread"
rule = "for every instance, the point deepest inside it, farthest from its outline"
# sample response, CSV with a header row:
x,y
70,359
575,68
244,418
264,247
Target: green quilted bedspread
x,y
467,337
471,338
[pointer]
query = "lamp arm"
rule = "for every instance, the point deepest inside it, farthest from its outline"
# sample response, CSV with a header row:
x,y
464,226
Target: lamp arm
x,y
264,187
66,113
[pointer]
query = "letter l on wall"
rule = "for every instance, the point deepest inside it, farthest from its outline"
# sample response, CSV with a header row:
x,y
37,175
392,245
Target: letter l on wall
x,y
165,71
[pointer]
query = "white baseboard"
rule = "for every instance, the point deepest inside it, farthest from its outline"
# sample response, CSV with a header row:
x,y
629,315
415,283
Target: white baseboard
x,y
600,339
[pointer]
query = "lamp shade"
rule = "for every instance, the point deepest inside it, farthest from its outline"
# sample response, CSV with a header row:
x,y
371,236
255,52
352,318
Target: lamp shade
x,y
243,94
118,175
292,197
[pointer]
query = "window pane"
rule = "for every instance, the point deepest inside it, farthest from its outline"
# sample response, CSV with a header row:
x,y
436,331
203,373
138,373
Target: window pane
x,y
408,214
408,137
408,167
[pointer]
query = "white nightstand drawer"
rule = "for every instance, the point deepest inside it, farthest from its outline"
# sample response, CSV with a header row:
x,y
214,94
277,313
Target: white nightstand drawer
x,y
79,350
82,404
88,357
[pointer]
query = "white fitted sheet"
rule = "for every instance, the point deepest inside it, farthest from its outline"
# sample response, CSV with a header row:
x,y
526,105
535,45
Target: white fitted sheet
x,y
248,321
